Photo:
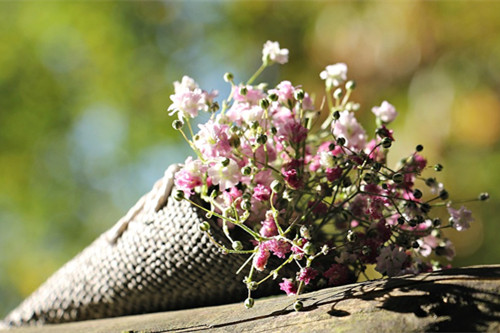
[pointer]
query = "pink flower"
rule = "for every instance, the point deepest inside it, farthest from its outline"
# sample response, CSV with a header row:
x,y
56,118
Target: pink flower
x,y
461,218
190,176
252,96
347,127
333,174
391,260
260,258
337,274
261,192
307,274
292,179
272,53
278,247
213,139
334,75
285,92
268,228
186,181
385,112
188,98
288,286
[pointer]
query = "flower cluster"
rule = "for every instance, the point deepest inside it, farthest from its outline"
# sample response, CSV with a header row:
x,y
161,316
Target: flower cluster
x,y
316,200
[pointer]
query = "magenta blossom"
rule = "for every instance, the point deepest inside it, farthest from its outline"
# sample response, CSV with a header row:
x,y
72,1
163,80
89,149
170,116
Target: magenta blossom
x,y
261,192
288,286
307,274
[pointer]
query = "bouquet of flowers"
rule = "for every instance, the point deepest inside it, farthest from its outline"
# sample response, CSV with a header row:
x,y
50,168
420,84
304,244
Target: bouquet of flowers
x,y
315,196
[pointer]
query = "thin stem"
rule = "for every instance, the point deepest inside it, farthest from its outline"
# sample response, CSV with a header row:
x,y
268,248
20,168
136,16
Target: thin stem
x,y
256,74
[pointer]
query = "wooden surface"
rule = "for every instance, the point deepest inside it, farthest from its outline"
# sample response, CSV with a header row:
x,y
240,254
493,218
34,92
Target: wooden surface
x,y
455,300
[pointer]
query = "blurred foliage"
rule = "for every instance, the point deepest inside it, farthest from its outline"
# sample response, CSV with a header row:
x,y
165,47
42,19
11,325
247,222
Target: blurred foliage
x,y
84,88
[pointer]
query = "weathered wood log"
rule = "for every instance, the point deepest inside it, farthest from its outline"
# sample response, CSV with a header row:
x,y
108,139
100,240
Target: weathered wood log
x,y
454,300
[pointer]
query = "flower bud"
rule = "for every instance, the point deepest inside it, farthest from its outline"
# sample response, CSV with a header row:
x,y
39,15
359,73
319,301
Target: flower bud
x,y
425,208
325,249
443,195
264,103
236,245
419,148
417,193
484,196
299,94
274,130
436,222
255,125
243,91
298,305
350,85
337,93
276,186
262,139
228,77
351,236
225,162
249,302
415,245
273,97
304,232
246,171
386,142
179,195
341,141
398,178
177,124
246,205
336,115
204,226
309,248
438,167
401,220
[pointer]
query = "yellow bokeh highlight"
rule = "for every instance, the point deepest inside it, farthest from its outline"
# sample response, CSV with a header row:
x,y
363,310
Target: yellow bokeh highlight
x,y
476,118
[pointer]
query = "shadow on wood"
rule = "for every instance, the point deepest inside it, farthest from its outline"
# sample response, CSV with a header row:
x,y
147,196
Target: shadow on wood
x,y
454,300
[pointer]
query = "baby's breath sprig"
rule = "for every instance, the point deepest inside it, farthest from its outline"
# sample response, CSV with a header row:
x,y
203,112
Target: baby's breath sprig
x,y
317,207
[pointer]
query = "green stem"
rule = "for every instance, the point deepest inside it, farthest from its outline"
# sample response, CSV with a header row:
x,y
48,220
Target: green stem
x,y
256,74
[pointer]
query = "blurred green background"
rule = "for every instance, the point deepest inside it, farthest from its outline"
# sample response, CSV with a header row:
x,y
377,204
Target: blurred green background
x,y
84,88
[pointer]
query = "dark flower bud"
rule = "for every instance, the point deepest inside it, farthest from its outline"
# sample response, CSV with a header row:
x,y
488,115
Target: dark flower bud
x,y
228,77
299,94
264,103
417,193
225,162
177,124
443,195
273,97
249,302
341,141
246,171
179,195
336,115
204,226
484,196
398,178
262,139
243,91
438,167
386,142
298,305
350,85
419,148
436,222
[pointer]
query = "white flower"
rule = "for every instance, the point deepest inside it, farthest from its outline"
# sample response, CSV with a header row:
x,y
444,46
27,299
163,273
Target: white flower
x,y
225,176
272,53
385,112
347,127
334,74
326,159
391,260
460,218
188,99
